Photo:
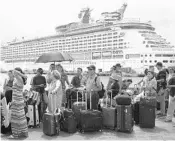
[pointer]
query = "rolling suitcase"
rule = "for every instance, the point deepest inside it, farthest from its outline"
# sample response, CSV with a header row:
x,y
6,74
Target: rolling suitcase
x,y
125,120
147,107
68,122
90,120
33,116
109,116
51,125
77,106
136,113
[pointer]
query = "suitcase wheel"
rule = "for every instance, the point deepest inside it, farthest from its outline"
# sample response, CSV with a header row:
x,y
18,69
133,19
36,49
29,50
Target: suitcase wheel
x,y
131,130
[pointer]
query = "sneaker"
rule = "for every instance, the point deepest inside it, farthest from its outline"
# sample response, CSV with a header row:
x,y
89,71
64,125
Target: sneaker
x,y
12,137
168,120
161,115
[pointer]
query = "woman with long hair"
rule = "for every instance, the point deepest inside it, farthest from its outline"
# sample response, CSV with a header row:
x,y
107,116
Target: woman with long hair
x,y
18,118
64,79
55,92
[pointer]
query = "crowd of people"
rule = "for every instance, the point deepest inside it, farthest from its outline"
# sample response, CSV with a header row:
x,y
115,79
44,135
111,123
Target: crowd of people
x,y
52,91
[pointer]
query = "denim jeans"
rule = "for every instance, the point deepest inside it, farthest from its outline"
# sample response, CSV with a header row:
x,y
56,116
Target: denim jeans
x,y
161,99
171,108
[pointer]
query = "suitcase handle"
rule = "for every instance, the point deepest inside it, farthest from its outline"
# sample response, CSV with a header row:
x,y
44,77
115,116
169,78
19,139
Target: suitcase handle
x,y
89,100
81,92
110,98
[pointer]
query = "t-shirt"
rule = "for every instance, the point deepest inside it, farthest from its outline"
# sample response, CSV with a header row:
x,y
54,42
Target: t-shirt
x,y
76,81
38,80
92,85
161,75
172,82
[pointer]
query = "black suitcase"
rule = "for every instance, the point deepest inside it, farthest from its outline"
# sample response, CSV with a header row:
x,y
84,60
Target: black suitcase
x,y
69,124
136,112
125,121
147,109
51,124
90,120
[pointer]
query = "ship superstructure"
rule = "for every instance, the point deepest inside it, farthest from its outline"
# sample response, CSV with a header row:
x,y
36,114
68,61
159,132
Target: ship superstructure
x,y
110,40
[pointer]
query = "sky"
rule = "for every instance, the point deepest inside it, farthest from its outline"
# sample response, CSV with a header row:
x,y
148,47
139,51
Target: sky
x,y
38,18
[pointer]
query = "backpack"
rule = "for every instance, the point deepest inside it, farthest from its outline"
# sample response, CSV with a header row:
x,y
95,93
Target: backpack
x,y
102,91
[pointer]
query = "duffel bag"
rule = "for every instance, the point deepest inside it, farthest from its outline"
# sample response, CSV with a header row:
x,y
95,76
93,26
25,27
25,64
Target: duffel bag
x,y
123,100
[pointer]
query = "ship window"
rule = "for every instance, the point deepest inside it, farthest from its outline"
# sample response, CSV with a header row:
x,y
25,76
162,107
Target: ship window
x,y
150,61
168,55
143,42
141,61
150,55
141,55
147,46
145,55
171,61
145,61
165,61
158,55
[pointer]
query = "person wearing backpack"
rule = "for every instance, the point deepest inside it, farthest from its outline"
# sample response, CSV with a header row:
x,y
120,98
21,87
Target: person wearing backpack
x,y
92,85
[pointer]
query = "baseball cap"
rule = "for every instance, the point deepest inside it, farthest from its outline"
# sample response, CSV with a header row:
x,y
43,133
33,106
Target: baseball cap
x,y
91,67
118,65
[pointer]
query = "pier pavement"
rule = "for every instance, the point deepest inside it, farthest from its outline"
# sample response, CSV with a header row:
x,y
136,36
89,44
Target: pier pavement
x,y
162,132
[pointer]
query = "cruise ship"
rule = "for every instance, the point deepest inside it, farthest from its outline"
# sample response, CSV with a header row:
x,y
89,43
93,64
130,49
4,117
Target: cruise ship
x,y
105,42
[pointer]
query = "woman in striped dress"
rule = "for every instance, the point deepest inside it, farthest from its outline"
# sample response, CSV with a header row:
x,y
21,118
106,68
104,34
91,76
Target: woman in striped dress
x,y
18,118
